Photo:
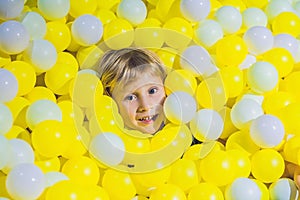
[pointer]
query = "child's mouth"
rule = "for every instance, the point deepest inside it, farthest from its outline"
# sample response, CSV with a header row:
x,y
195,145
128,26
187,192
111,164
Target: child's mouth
x,y
148,119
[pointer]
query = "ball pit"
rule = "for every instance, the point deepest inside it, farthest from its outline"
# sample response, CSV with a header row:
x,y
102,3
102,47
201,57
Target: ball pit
x,y
232,106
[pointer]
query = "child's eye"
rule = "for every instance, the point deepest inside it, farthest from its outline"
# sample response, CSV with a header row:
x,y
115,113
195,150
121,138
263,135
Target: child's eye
x,y
152,90
130,97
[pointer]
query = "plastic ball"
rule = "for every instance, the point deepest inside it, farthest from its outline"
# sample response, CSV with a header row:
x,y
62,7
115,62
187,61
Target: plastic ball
x,y
20,152
47,164
81,7
197,60
288,42
40,92
9,85
180,107
195,10
54,177
25,75
14,37
259,39
118,34
262,77
51,138
283,188
42,110
233,80
58,34
290,83
87,30
205,190
167,191
108,148
180,80
6,117
276,101
289,116
134,11
244,111
82,170
207,125
241,161
25,181
54,10
105,15
118,184
267,165
243,189
286,22
151,30
230,19
208,32
184,174
4,148
10,9
254,17
179,32
35,24
231,50
211,93
281,58
66,189
276,7
41,54
267,131
58,78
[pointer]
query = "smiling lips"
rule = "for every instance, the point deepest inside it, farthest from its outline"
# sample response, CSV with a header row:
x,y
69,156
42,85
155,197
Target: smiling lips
x,y
148,119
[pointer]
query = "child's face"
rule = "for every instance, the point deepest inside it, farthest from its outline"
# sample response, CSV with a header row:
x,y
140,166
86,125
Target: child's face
x,y
140,103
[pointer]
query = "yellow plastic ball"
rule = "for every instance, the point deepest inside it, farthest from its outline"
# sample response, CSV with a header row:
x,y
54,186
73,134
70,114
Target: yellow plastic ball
x,y
286,22
65,189
118,34
58,34
233,79
205,190
241,161
88,57
168,191
105,15
255,3
281,58
40,92
289,115
167,55
267,165
25,75
277,100
180,80
179,32
231,50
82,170
80,7
290,84
48,164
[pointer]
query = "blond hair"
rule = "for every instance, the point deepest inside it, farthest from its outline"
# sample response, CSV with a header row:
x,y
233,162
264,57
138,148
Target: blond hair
x,y
119,66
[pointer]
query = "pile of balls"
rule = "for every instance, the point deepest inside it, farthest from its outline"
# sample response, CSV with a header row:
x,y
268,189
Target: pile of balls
x,y
233,101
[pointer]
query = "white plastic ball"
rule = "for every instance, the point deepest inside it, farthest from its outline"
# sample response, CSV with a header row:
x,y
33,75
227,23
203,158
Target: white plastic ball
x,y
180,107
54,9
208,32
283,189
8,85
267,131
42,110
20,152
230,19
243,189
41,54
254,17
10,9
135,11
4,151
108,148
207,125
197,60
195,10
25,181
14,38
87,30
6,119
288,42
262,77
244,111
259,39
275,7
35,25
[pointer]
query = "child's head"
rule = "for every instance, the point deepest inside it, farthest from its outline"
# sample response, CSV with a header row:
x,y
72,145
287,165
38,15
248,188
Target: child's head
x,y
134,78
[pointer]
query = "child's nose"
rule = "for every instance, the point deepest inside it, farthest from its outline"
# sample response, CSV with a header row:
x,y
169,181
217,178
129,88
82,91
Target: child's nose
x,y
145,104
